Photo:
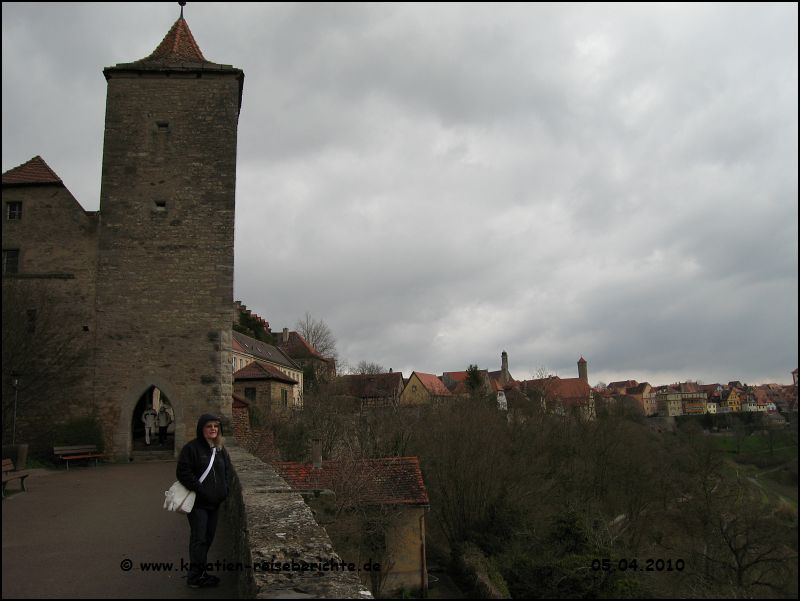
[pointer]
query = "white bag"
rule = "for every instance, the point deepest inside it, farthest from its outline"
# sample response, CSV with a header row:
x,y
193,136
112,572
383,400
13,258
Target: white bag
x,y
179,498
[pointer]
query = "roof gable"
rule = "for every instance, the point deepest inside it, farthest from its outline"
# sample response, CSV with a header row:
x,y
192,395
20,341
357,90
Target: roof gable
x,y
262,371
432,384
299,347
371,385
35,171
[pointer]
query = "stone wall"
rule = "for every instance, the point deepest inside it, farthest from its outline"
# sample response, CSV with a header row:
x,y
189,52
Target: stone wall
x,y
53,326
273,525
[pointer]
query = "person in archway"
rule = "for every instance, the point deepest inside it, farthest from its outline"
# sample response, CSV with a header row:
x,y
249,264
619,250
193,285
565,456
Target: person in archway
x,y
204,467
149,418
164,421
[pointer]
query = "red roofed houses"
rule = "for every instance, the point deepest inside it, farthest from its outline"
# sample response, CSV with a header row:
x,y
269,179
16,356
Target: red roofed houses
x,y
372,390
424,389
564,396
648,398
316,368
246,350
495,383
380,508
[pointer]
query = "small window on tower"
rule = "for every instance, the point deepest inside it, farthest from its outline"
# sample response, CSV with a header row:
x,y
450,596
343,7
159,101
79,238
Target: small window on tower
x,y
160,206
14,212
162,125
11,261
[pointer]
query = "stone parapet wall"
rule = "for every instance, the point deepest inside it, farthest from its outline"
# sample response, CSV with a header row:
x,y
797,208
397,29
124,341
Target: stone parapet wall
x,y
273,525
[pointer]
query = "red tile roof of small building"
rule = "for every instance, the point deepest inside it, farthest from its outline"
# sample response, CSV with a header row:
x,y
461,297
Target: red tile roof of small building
x,y
298,347
385,481
433,384
35,171
371,386
262,371
568,390
456,376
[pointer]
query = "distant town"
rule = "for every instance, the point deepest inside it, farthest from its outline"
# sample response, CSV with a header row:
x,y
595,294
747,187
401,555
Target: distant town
x,y
290,356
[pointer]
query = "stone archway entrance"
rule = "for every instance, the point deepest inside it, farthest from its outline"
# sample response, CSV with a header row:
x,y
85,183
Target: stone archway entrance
x,y
161,441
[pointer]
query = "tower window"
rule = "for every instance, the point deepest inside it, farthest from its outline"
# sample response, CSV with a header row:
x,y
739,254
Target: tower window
x,y
14,212
161,206
11,261
162,125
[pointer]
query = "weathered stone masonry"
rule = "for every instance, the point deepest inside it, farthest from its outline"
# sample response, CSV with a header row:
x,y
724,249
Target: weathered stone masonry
x,y
165,264
152,271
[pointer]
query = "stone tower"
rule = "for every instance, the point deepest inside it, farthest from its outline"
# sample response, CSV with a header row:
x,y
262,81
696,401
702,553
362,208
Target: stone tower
x,y
164,293
583,373
505,377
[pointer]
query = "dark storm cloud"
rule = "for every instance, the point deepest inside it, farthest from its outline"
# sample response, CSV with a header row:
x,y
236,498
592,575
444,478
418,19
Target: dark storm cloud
x,y
441,183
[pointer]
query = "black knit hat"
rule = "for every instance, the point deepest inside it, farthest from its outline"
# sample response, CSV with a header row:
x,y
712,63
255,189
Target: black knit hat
x,y
204,419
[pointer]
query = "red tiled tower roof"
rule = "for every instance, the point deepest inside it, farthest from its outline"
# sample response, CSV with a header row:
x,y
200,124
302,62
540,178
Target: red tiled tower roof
x,y
177,52
178,46
35,171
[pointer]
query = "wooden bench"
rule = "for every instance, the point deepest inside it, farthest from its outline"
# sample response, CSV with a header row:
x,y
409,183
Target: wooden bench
x,y
84,451
10,473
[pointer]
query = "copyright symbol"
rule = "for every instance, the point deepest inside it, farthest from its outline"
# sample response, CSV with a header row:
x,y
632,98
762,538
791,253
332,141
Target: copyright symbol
x,y
126,565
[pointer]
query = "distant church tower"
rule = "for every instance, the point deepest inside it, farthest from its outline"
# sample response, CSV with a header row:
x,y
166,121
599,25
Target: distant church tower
x,y
165,243
583,373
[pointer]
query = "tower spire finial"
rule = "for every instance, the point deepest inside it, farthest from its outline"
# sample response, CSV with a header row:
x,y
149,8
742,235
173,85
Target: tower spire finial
x,y
182,5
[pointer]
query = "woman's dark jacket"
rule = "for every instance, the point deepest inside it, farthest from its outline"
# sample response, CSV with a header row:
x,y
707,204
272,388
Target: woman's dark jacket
x,y
193,461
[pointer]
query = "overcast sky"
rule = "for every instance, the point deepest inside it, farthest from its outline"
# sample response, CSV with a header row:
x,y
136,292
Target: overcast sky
x,y
442,183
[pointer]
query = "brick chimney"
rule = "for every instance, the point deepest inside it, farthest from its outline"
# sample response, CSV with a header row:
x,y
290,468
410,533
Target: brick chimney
x,y
285,335
504,375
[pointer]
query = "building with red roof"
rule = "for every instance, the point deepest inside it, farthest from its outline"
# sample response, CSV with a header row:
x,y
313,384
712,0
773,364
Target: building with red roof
x,y
267,389
371,390
424,389
378,512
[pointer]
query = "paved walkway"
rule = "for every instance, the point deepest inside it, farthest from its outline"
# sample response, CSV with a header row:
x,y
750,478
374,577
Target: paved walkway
x,y
73,532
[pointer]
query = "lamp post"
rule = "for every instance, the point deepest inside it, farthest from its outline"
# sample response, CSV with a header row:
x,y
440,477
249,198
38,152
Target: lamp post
x,y
15,385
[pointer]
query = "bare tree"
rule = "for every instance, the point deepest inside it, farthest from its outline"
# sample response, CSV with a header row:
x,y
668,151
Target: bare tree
x,y
318,334
368,368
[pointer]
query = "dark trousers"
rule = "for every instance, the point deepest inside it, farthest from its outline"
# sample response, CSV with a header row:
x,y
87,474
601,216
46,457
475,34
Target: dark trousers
x,y
162,434
203,523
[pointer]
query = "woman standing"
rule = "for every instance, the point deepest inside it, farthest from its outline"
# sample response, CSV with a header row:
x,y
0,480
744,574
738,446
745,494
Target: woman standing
x,y
204,467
